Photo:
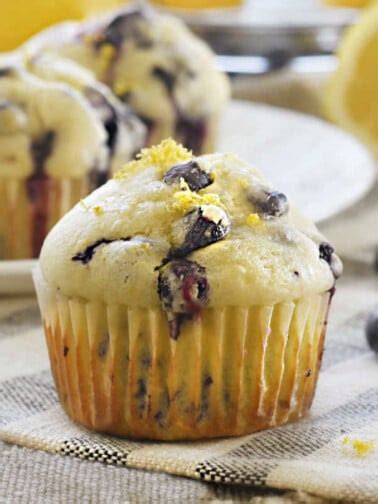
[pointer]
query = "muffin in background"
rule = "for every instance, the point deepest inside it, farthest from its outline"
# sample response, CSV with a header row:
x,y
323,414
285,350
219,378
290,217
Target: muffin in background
x,y
55,147
185,299
125,133
153,63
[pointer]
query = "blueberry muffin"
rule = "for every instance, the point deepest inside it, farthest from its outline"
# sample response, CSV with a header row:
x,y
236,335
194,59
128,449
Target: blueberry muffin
x,y
153,63
58,141
185,299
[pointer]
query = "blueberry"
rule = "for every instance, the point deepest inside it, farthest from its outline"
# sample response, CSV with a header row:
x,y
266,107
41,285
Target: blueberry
x,y
372,331
183,291
167,78
202,226
273,204
41,149
131,25
106,113
6,71
191,132
194,176
86,255
326,253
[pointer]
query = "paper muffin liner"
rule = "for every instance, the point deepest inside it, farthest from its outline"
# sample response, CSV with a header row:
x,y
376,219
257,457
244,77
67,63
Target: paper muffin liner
x,y
234,371
30,207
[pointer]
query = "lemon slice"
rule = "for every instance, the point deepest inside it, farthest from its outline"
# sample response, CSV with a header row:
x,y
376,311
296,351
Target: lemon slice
x,y
348,3
20,19
351,97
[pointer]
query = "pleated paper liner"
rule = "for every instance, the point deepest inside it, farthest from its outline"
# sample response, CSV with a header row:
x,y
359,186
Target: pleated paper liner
x,y
234,371
29,210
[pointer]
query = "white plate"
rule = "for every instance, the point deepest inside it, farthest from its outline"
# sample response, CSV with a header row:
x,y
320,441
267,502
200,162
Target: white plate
x,y
322,169
15,277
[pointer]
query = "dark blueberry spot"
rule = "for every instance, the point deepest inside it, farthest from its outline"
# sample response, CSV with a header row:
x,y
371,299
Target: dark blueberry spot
x,y
107,114
103,347
65,351
183,290
204,225
272,204
175,323
86,256
166,77
6,71
97,177
111,127
207,381
372,331
191,133
194,176
141,390
308,373
296,273
41,149
159,419
129,25
326,253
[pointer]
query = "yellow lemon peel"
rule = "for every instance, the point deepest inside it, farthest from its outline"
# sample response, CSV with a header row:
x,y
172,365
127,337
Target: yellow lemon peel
x,y
254,220
185,200
361,448
122,87
163,156
350,96
244,183
106,56
98,210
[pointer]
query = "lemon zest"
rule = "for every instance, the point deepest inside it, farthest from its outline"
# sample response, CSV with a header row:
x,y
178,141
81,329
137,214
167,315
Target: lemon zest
x,y
361,448
244,183
98,210
185,200
106,56
163,156
253,220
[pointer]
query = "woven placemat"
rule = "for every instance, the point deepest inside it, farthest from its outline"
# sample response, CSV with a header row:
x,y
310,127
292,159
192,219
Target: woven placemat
x,y
333,453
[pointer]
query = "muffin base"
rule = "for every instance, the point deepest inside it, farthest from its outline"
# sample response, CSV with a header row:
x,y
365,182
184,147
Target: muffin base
x,y
232,372
30,208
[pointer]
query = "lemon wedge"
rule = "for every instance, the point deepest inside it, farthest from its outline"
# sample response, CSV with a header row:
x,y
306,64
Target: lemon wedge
x,y
20,19
348,3
351,95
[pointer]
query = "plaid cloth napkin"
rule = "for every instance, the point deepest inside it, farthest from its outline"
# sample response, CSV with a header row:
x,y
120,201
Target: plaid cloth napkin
x,y
333,453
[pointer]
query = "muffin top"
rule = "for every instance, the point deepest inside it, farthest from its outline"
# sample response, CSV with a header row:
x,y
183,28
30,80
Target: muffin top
x,y
57,118
46,127
185,233
125,133
151,61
